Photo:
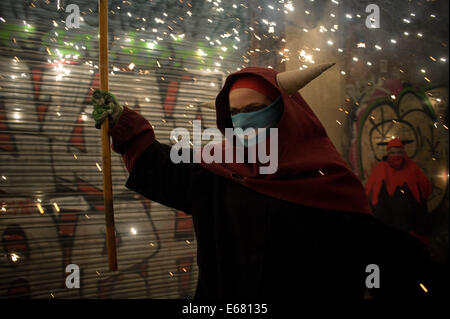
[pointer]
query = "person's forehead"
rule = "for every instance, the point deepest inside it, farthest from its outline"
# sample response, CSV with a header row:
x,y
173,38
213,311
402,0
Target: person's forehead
x,y
246,92
244,96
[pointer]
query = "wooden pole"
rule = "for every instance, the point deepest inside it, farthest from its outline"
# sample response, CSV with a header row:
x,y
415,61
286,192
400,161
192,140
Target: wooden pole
x,y
106,149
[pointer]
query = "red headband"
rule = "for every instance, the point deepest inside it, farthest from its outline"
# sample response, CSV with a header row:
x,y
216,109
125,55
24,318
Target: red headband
x,y
395,142
258,84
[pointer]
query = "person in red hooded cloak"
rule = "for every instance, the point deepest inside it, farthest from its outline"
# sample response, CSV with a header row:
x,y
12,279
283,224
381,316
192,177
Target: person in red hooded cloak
x,y
398,190
304,230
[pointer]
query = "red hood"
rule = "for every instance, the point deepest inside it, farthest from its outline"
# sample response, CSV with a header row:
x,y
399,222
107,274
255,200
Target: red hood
x,y
310,170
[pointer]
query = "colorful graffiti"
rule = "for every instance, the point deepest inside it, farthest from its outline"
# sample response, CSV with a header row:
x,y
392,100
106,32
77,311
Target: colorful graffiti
x,y
49,155
50,159
142,41
416,115
51,199
382,108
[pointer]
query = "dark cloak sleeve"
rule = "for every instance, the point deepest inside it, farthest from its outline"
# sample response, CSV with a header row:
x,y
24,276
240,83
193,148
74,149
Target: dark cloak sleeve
x,y
157,178
152,173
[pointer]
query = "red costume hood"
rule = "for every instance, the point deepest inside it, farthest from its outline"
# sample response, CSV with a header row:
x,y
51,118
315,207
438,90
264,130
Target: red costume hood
x,y
310,170
395,142
410,175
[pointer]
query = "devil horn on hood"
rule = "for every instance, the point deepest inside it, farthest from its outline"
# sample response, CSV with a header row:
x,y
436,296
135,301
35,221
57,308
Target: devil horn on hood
x,y
208,105
292,81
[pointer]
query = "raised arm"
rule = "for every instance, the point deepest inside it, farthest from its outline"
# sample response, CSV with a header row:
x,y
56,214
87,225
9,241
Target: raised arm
x,y
152,172
156,177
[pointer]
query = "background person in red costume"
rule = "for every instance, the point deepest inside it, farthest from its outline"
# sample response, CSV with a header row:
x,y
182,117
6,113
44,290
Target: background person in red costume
x,y
304,231
398,190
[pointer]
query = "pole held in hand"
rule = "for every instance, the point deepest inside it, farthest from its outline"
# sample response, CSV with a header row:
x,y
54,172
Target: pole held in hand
x,y
106,149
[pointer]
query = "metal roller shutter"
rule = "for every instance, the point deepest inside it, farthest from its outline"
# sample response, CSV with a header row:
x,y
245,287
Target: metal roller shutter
x,y
50,179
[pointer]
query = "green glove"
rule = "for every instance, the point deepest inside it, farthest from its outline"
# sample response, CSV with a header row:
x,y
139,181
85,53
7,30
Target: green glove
x,y
105,104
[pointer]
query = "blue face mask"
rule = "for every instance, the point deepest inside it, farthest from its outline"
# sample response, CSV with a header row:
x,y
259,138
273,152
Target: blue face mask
x,y
265,118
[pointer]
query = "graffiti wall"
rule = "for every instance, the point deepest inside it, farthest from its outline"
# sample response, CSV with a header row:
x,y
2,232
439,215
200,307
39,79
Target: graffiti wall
x,y
395,83
50,178
383,108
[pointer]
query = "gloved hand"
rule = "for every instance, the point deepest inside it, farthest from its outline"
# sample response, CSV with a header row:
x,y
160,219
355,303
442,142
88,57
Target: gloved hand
x,y
105,104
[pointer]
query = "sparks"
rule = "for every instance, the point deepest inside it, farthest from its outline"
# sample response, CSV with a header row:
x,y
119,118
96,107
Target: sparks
x,y
14,257
41,210
423,287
